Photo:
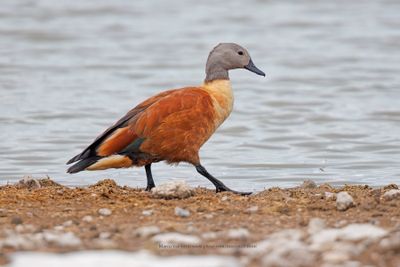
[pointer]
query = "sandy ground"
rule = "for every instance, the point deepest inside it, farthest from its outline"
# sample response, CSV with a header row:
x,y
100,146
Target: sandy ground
x,y
108,216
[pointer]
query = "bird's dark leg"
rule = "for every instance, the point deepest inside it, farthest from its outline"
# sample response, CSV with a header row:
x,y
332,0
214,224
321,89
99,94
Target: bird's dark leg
x,y
219,186
150,181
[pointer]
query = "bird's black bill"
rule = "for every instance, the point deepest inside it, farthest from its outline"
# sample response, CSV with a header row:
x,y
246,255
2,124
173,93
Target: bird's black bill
x,y
251,67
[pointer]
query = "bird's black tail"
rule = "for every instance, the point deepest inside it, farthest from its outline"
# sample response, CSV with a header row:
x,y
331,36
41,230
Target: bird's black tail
x,y
83,164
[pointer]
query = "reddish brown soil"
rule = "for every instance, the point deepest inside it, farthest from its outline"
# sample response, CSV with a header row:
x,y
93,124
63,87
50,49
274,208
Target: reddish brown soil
x,y
53,204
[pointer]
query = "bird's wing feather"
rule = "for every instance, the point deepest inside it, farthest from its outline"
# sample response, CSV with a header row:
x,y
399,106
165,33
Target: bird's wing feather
x,y
119,134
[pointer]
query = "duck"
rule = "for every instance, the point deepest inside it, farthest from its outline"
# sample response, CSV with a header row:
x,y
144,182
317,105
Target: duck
x,y
171,126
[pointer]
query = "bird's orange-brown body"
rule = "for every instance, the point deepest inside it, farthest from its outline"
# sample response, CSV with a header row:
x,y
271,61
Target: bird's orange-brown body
x,y
173,125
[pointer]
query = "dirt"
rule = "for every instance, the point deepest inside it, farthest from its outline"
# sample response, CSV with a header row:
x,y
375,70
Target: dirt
x,y
45,204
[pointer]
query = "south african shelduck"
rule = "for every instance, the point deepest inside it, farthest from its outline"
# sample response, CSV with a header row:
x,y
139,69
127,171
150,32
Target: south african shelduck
x,y
173,125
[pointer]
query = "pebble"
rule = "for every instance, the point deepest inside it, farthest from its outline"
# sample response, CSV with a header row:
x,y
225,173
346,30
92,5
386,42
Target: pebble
x,y
147,231
239,233
391,194
330,196
181,212
147,212
29,182
68,223
308,184
87,218
252,209
104,235
59,228
174,189
224,198
105,212
344,201
167,239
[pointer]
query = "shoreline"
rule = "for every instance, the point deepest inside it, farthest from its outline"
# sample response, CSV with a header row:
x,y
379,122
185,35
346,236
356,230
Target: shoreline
x,y
175,219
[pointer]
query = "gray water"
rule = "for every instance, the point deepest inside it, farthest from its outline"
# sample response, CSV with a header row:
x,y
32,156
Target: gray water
x,y
328,109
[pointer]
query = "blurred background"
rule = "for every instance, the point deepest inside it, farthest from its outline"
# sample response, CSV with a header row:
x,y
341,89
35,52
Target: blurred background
x,y
328,109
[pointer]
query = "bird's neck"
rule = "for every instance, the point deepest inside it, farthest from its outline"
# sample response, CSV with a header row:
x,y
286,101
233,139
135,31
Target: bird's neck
x,y
221,92
214,71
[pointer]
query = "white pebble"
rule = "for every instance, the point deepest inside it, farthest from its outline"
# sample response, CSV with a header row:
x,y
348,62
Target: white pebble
x,y
252,209
330,196
174,189
344,201
181,212
224,198
104,235
105,212
147,231
391,194
147,212
87,218
239,233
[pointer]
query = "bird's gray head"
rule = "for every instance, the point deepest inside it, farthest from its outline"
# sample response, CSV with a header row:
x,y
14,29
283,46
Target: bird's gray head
x,y
228,56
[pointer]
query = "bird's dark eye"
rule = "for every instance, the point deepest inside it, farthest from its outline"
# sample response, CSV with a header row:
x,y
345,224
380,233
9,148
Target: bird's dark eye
x,y
240,53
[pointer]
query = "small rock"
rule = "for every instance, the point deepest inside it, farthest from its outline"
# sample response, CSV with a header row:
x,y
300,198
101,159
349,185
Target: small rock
x,y
181,212
239,233
174,189
104,235
16,220
208,216
147,231
252,209
391,194
390,186
176,238
87,218
59,228
105,212
224,198
29,182
147,212
308,184
192,229
330,196
344,201
68,223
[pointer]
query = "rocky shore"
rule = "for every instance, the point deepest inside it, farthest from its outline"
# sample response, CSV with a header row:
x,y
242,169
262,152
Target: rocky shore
x,y
310,225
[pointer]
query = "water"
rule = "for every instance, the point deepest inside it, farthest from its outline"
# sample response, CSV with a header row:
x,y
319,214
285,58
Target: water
x,y
328,109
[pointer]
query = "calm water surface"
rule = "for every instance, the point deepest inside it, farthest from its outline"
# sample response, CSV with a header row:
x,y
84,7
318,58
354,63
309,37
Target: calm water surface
x,y
328,110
